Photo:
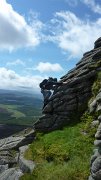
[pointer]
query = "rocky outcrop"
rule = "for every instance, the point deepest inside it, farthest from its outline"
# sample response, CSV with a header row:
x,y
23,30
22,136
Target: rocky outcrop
x,y
3,168
95,106
98,43
11,174
12,161
16,141
7,157
70,100
25,165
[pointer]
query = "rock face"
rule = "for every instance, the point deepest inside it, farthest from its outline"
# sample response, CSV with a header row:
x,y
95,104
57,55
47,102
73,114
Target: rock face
x,y
98,43
70,100
11,174
12,162
95,169
14,142
25,165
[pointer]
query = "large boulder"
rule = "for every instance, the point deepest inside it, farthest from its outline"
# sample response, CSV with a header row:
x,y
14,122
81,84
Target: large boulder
x,y
11,174
98,43
3,168
14,142
7,157
12,155
26,166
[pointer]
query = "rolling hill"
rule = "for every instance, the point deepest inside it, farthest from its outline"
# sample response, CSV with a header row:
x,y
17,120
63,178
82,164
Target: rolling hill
x,y
19,107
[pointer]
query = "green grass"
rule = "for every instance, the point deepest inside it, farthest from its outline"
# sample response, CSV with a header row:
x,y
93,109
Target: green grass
x,y
61,155
97,85
87,120
13,110
18,114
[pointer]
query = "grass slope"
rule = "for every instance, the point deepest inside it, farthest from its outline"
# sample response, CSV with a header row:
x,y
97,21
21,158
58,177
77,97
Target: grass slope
x,y
61,155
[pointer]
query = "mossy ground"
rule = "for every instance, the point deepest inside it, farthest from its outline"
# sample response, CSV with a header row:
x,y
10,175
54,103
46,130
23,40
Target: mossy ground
x,y
61,155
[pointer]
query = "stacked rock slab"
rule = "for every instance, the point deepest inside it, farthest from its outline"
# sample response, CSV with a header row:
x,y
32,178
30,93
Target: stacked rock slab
x,y
96,158
70,100
12,162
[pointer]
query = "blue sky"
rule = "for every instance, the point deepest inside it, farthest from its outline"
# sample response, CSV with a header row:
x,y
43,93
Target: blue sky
x,y
44,38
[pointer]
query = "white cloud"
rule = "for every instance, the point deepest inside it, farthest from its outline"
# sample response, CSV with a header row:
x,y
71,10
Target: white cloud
x,y
93,5
48,67
73,35
15,32
16,62
70,33
72,3
10,80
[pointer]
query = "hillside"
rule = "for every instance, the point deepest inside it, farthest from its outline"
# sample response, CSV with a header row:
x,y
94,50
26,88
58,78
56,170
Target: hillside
x,y
19,107
74,113
62,145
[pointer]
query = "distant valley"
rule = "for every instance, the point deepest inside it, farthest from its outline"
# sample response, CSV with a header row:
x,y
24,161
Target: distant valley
x,y
19,108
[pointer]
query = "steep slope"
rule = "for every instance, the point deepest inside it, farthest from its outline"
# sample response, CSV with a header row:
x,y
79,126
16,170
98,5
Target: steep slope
x,y
70,100
66,153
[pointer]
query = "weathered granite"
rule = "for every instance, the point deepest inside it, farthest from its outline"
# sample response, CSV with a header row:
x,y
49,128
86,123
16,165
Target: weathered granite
x,y
94,123
11,174
98,43
99,118
90,178
16,141
93,106
70,100
25,165
96,158
6,157
98,133
11,156
3,168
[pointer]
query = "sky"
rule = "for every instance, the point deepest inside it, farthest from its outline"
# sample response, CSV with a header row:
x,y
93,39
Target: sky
x,y
44,38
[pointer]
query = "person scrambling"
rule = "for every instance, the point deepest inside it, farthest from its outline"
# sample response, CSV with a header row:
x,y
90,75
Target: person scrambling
x,y
47,86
